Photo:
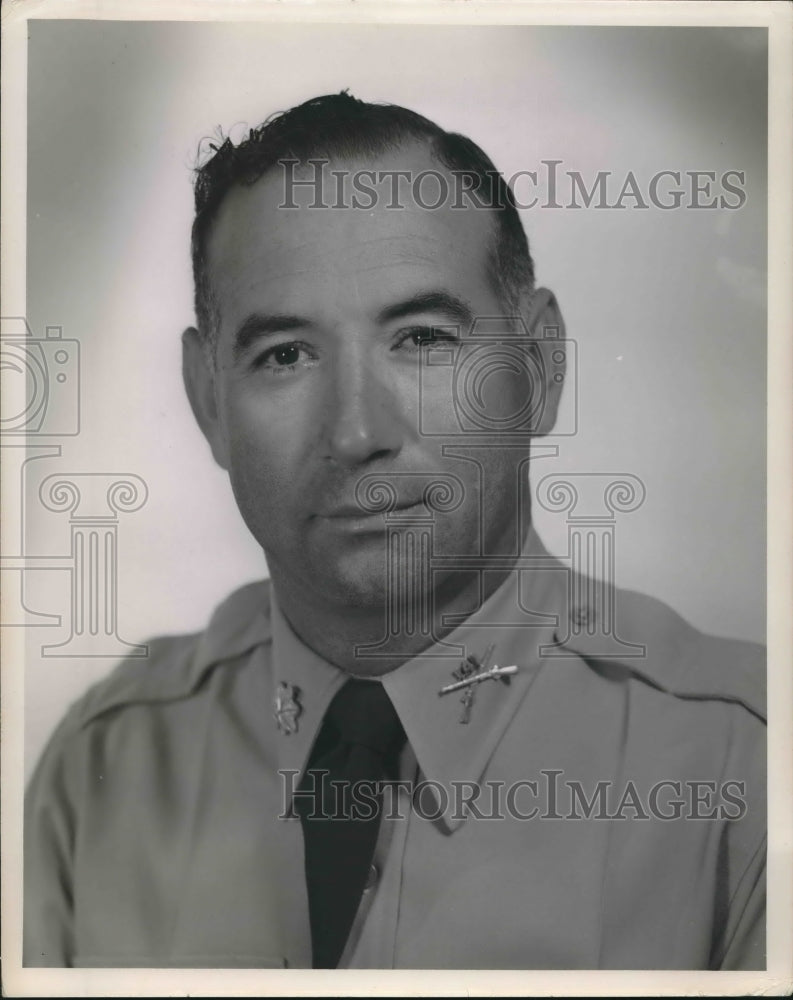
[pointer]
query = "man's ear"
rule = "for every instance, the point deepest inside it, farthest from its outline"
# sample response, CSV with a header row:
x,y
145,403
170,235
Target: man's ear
x,y
199,382
546,329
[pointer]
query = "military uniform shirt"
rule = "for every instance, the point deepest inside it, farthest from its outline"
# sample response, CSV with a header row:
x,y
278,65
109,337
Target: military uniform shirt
x,y
157,830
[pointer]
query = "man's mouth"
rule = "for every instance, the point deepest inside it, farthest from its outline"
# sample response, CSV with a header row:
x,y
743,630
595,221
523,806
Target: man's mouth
x,y
354,511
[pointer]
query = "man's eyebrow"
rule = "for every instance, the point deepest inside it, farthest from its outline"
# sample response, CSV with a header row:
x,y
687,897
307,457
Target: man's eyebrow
x,y
258,325
438,302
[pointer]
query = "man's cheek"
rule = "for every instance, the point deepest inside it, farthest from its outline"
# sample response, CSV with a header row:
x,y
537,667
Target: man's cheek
x,y
261,471
257,432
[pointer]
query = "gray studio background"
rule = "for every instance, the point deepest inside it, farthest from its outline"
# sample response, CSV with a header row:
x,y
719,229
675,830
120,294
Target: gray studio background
x,y
667,308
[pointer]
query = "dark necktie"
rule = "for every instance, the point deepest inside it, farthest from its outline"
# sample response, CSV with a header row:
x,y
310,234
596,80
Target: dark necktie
x,y
359,741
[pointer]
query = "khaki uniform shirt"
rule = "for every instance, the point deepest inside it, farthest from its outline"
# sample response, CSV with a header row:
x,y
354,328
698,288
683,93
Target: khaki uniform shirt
x,y
620,823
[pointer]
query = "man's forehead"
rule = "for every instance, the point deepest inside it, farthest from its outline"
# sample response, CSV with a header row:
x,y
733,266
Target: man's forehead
x,y
359,213
410,159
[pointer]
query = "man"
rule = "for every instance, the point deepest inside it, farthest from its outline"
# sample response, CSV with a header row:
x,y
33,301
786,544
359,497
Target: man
x,y
297,785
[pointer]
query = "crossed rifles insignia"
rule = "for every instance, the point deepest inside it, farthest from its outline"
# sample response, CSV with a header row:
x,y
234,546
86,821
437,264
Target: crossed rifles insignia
x,y
470,674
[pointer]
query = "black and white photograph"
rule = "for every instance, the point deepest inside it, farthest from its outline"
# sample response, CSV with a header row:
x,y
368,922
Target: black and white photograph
x,y
396,499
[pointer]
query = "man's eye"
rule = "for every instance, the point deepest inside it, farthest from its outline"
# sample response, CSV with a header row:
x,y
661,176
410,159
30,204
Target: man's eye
x,y
284,358
287,355
423,336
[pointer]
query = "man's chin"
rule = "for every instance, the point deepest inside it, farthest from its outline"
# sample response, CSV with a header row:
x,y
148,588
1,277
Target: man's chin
x,y
366,571
352,575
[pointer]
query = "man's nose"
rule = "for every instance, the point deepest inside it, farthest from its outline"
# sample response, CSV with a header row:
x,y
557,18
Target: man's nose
x,y
363,424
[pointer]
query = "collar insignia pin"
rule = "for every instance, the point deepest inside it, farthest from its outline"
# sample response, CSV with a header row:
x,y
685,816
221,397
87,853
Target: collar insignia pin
x,y
471,673
287,707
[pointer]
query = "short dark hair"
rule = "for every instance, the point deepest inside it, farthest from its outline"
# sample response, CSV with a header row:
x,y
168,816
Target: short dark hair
x,y
338,126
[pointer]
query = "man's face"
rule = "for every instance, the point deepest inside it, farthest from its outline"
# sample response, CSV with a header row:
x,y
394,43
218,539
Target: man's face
x,y
323,317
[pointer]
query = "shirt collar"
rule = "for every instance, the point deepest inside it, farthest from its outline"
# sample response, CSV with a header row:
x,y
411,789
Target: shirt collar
x,y
517,619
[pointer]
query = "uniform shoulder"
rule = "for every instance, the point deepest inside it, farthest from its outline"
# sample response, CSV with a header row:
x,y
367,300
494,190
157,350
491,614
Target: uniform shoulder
x,y
652,641
173,666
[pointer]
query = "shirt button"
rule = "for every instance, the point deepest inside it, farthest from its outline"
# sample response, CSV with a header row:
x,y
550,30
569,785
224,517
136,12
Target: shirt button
x,y
371,878
583,615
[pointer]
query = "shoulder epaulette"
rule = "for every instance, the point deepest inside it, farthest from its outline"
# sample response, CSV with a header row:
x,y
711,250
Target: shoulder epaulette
x,y
175,665
649,639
